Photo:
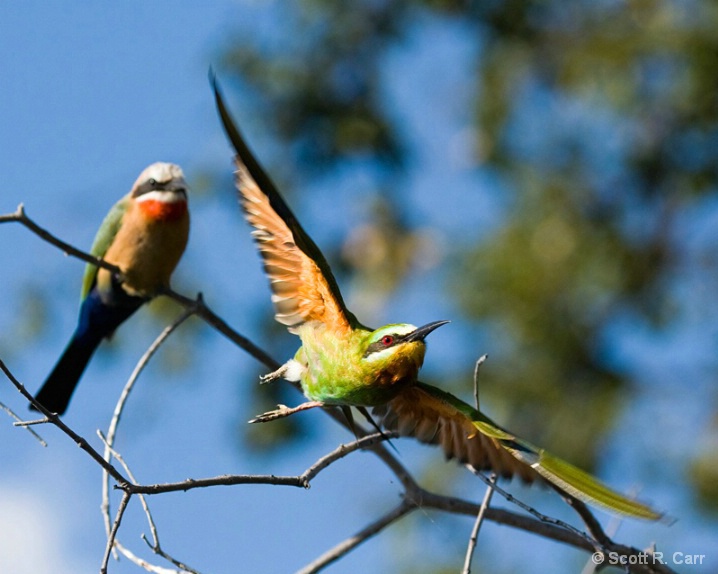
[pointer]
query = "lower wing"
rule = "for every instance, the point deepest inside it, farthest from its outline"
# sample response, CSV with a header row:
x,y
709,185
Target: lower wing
x,y
436,417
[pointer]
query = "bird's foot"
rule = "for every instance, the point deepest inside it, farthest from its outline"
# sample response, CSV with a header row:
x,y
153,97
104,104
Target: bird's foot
x,y
283,411
273,376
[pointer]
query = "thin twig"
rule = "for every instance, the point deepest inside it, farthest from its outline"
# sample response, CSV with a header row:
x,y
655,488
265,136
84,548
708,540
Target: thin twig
x,y
21,217
200,308
501,516
141,364
115,527
155,546
157,549
474,537
55,420
105,503
20,423
110,452
223,480
301,481
343,450
540,516
588,518
606,546
363,535
119,407
479,520
142,563
477,368
197,306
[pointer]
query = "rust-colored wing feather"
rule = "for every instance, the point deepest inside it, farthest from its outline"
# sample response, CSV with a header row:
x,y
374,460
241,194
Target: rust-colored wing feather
x,y
303,287
434,417
437,417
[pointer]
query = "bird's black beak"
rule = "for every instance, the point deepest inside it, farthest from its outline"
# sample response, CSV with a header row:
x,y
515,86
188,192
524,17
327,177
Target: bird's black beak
x,y
420,333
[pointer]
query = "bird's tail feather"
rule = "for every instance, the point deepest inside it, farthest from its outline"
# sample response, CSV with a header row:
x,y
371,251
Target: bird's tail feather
x,y
61,382
578,483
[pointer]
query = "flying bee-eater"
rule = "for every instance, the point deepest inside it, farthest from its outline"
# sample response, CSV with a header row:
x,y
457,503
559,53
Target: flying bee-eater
x,y
341,362
144,235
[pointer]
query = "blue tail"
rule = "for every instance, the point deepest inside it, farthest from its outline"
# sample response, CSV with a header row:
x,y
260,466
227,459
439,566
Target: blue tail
x,y
98,320
60,384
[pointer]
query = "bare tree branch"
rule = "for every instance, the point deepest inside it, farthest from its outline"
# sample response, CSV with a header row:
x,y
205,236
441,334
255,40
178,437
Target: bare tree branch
x,y
540,516
117,414
113,533
110,452
474,536
301,480
363,535
199,308
142,563
54,419
21,217
414,496
157,549
482,512
477,370
20,423
343,450
155,545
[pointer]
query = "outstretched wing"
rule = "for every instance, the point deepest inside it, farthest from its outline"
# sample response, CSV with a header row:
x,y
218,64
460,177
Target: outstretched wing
x,y
105,235
437,417
303,287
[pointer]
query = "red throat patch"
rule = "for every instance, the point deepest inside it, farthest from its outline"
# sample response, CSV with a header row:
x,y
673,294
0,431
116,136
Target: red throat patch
x,y
163,210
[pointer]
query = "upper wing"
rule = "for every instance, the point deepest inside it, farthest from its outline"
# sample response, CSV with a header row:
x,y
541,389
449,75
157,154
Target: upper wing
x,y
436,417
103,240
303,287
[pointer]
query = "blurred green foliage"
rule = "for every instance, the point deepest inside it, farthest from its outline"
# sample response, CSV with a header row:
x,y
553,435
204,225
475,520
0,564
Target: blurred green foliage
x,y
588,234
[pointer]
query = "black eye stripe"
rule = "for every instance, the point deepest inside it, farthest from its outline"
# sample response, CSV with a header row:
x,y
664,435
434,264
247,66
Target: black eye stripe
x,y
380,345
153,185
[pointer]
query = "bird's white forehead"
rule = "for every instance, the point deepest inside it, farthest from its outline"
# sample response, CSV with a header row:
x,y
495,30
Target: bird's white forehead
x,y
396,329
161,171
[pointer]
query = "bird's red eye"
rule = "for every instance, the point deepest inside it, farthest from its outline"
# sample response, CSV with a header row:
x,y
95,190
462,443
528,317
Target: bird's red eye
x,y
387,340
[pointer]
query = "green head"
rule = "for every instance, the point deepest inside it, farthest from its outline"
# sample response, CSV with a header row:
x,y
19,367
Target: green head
x,y
396,352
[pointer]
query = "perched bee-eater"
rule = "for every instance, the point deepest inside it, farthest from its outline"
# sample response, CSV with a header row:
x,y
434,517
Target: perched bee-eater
x,y
144,235
343,363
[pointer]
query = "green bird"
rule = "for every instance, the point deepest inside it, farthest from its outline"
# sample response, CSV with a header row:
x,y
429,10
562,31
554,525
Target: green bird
x,y
343,363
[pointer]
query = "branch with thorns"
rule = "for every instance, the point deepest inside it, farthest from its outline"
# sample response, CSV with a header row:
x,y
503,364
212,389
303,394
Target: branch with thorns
x,y
413,497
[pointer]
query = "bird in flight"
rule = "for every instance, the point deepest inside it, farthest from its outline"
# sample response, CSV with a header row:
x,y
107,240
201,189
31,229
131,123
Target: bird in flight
x,y
343,363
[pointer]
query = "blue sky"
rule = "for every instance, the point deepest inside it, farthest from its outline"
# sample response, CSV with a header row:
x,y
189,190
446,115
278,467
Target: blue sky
x,y
90,96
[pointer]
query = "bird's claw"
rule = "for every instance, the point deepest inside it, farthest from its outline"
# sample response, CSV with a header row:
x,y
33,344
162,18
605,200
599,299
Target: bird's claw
x,y
273,376
279,412
284,410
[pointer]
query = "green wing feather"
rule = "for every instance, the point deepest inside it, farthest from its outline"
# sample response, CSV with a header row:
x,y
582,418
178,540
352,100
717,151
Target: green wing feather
x,y
437,417
105,235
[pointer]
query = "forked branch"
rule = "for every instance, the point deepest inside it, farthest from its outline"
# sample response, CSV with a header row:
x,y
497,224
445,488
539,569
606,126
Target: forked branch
x,y
413,497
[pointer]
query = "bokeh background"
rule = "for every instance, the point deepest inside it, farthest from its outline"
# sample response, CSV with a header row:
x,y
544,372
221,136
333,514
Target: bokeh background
x,y
541,173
